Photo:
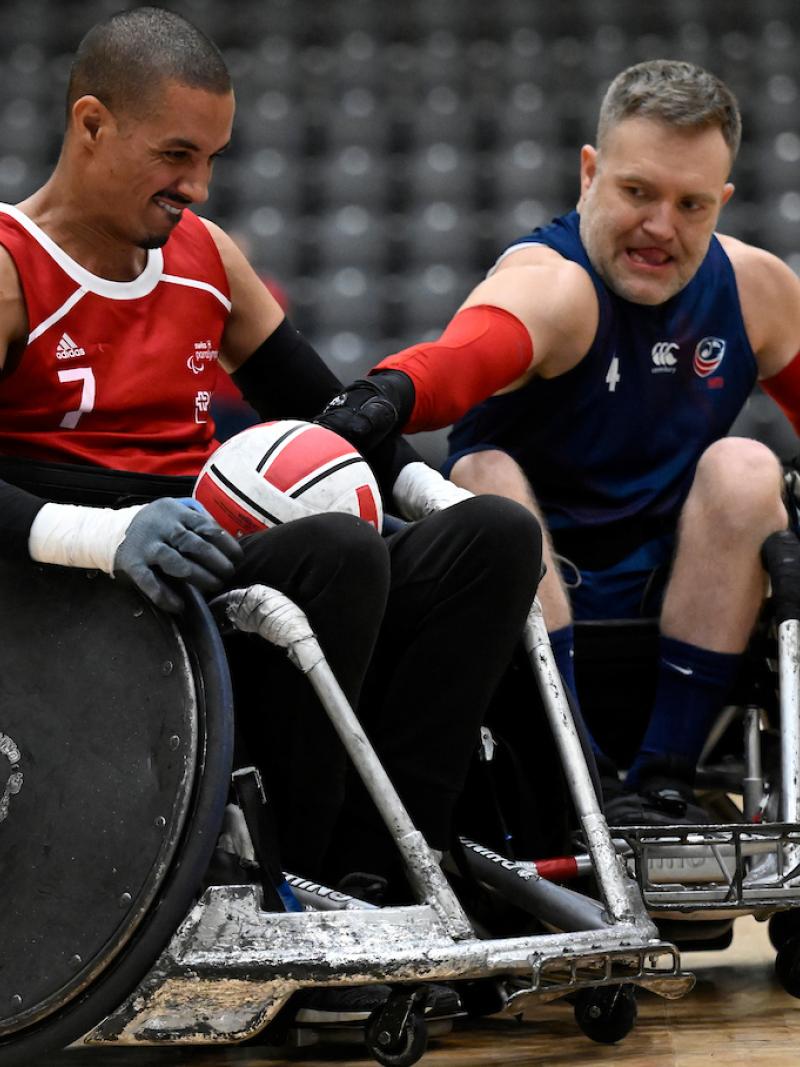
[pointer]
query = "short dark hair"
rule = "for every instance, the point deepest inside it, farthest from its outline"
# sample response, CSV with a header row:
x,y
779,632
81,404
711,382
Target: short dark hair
x,y
125,59
673,92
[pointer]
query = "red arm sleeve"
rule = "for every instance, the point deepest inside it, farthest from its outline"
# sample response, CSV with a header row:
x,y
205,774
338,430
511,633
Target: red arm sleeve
x,y
482,350
784,388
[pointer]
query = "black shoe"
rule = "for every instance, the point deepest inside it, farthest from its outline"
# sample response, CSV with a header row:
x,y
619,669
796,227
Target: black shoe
x,y
227,869
364,886
663,796
352,1005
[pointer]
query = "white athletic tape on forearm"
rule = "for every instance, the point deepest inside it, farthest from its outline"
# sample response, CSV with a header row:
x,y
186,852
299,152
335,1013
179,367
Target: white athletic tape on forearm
x,y
264,611
420,490
75,536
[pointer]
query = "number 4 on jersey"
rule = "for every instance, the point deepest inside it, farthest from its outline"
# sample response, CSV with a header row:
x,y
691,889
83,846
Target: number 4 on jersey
x,y
613,376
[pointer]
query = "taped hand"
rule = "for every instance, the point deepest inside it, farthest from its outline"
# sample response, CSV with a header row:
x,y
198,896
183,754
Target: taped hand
x,y
175,539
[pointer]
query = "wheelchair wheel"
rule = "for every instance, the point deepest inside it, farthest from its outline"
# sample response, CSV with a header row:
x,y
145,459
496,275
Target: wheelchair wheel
x,y
782,926
115,757
787,966
403,1049
606,1014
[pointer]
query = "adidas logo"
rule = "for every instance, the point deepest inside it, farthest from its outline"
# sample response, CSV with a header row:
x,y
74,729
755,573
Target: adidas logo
x,y
67,349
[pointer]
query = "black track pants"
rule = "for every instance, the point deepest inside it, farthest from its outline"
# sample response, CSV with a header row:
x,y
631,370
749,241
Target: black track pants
x,y
421,627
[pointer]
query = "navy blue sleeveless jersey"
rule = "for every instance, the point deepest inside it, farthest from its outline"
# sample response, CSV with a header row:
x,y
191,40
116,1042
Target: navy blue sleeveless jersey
x,y
612,444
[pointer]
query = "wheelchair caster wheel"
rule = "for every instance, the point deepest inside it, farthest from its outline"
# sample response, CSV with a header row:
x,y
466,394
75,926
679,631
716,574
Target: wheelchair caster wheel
x,y
397,1049
787,965
606,1013
396,1034
783,925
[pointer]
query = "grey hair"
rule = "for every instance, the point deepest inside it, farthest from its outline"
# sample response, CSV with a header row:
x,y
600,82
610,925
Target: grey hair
x,y
673,92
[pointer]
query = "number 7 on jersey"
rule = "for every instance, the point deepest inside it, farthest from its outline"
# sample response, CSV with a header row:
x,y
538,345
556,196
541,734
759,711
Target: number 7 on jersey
x,y
86,376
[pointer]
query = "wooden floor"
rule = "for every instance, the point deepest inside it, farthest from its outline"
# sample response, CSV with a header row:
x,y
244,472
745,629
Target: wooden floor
x,y
737,1015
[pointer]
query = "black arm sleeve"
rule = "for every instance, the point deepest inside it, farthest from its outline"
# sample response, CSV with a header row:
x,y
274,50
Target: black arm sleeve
x,y
18,508
285,378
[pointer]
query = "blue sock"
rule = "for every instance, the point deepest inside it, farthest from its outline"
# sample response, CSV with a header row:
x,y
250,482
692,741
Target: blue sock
x,y
563,644
691,689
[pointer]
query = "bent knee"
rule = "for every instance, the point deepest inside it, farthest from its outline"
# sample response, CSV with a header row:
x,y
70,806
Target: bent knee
x,y
344,536
739,464
482,472
503,527
741,480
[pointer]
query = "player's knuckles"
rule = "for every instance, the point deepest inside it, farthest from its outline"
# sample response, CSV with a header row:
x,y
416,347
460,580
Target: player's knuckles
x,y
171,562
197,549
228,545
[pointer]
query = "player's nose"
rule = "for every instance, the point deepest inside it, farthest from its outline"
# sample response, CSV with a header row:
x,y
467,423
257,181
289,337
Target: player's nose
x,y
194,185
660,221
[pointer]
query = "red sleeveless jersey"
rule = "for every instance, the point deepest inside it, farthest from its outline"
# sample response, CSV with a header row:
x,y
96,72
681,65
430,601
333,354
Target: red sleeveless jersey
x,y
115,374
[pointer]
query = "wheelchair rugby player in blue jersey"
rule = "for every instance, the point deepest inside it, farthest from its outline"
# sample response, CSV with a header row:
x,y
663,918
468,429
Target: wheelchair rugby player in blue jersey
x,y
593,376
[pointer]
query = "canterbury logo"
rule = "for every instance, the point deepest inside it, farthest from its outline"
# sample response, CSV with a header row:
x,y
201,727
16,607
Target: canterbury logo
x,y
662,354
67,349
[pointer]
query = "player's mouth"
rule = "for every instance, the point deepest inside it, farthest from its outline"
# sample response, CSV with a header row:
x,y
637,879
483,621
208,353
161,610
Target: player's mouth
x,y
649,258
172,206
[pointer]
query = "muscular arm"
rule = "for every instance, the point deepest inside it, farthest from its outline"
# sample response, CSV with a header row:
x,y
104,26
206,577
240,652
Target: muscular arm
x,y
18,508
536,314
277,370
255,313
769,292
554,299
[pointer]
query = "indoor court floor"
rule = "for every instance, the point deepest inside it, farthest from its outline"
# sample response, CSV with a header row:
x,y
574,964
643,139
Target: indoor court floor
x,y
737,1015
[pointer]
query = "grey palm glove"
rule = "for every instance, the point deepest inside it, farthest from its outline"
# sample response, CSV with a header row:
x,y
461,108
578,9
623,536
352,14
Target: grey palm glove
x,y
175,539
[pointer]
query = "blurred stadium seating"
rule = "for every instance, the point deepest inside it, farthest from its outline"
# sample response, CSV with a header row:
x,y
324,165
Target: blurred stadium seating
x,y
385,152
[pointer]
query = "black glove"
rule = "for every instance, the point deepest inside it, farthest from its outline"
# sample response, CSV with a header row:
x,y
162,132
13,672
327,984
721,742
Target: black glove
x,y
178,539
370,408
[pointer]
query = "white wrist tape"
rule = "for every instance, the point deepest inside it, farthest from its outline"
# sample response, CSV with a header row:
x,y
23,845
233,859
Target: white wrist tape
x,y
75,536
420,490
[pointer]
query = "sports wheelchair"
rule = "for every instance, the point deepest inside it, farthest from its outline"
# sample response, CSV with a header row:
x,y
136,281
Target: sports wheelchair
x,y
695,880
116,750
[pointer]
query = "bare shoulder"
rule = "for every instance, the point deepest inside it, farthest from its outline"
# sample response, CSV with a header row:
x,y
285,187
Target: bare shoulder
x,y
769,294
13,314
553,296
228,249
255,313
528,255
538,263
756,268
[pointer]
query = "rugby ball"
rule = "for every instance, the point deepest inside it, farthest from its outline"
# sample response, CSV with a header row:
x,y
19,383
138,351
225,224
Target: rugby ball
x,y
276,472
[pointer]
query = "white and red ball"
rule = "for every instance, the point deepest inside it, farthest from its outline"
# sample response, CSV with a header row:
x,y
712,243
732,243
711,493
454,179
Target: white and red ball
x,y
279,471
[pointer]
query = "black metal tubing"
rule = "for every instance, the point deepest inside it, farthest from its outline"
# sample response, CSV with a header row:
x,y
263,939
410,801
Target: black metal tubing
x,y
552,904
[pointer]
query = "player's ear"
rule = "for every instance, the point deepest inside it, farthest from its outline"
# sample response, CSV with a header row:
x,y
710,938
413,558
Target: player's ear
x,y
89,117
588,166
727,192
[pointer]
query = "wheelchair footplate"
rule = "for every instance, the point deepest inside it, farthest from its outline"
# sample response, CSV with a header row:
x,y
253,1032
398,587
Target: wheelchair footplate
x,y
231,966
729,867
